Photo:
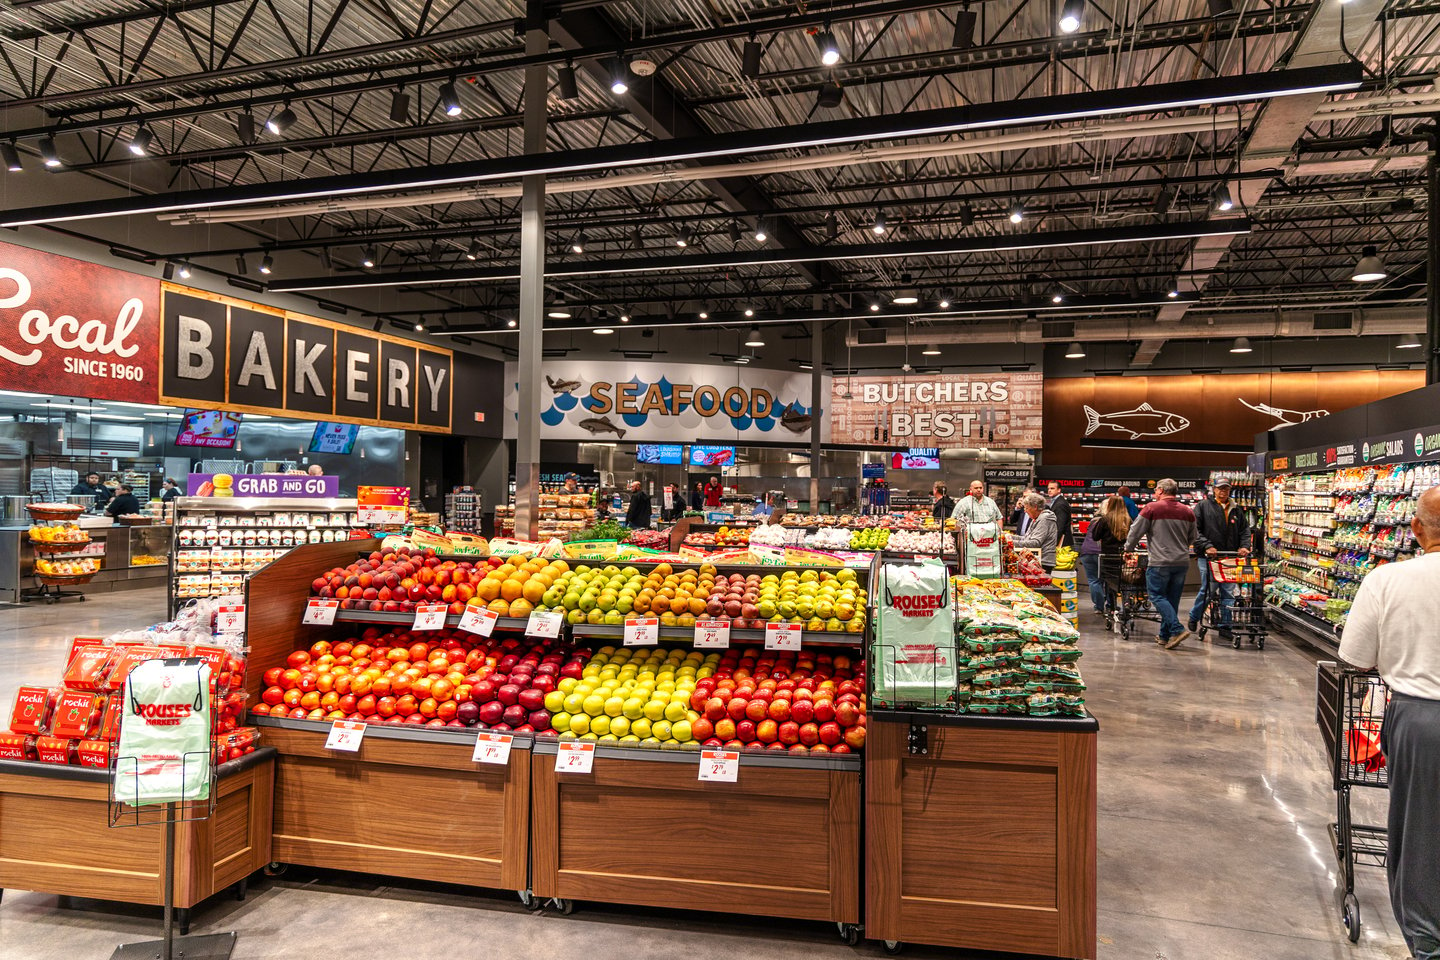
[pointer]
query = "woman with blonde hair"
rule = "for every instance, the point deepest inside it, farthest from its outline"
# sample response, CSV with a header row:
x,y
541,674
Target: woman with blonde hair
x,y
1106,537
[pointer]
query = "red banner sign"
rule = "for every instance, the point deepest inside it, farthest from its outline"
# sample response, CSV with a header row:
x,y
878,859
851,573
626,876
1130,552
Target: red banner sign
x,y
76,329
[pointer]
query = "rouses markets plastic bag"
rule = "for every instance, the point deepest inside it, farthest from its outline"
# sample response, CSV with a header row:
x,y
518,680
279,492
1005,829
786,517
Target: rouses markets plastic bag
x,y
914,657
164,754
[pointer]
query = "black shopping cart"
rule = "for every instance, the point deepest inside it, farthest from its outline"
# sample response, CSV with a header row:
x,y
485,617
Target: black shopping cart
x,y
1350,707
1126,599
1242,582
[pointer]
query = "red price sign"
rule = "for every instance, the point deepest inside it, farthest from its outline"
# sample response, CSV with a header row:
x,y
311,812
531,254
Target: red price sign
x,y
345,735
478,619
430,616
712,634
782,636
492,748
642,631
320,612
230,618
544,624
574,757
722,765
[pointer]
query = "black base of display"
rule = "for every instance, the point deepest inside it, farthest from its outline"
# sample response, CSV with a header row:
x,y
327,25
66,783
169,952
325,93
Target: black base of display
x,y
209,946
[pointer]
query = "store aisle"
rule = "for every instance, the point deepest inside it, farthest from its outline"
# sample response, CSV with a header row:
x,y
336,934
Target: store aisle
x,y
1214,796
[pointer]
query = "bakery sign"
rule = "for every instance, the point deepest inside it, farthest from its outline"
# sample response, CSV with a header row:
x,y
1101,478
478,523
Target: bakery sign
x,y
940,410
229,354
77,329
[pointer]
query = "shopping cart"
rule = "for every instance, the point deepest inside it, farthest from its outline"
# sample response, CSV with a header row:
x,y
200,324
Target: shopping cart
x,y
1242,582
1126,599
1350,707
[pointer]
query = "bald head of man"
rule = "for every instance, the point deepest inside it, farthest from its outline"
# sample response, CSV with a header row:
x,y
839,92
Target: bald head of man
x,y
1426,524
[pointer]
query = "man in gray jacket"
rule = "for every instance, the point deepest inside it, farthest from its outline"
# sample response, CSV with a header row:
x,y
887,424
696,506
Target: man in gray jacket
x,y
1168,526
1043,533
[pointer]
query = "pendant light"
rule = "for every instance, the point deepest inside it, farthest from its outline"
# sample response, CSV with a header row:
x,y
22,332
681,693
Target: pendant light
x,y
879,227
1241,345
619,77
1017,212
1056,294
1409,341
566,87
750,58
400,106
907,294
1370,267
931,350
282,121
267,264
577,246
1074,352
1222,199
1070,15
754,339
11,157
829,49
48,153
450,99
762,230
139,144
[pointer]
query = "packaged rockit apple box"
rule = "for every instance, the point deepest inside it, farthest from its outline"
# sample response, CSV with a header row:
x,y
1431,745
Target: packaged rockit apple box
x,y
914,658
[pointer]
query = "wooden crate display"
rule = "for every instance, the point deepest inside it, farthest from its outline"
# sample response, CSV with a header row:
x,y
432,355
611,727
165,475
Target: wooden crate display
x,y
636,830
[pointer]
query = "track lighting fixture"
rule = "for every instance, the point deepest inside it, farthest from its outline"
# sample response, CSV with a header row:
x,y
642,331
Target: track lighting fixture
x,y
1370,267
944,301
762,230
749,311
400,106
637,238
1172,289
183,269
830,95
11,156
754,339
1017,212
48,153
1241,345
245,127
967,215
578,245
619,77
625,315
167,271
140,143
267,264
829,49
369,257
1164,200
1070,15
420,325
1057,295
832,226
682,237
1222,199
282,121
475,250
705,311
750,58
241,267
1074,352
964,37
565,86
450,99
879,226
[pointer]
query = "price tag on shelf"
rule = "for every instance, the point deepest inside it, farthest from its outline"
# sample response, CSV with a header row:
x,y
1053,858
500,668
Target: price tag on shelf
x,y
492,748
478,619
723,765
345,735
642,631
544,624
782,636
321,612
574,757
712,634
430,616
230,618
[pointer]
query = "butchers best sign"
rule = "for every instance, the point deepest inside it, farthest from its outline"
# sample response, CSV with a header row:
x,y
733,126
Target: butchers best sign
x,y
218,352
71,328
640,401
944,410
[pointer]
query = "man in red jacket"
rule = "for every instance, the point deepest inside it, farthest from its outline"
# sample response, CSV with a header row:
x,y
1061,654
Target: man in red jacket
x,y
712,493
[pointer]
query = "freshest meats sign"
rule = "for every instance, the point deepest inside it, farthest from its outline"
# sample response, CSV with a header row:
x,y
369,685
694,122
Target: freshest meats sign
x,y
638,401
944,410
72,328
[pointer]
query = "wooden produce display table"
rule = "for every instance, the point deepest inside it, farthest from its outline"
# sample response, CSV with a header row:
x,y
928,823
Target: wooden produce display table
x,y
642,828
325,803
55,835
980,832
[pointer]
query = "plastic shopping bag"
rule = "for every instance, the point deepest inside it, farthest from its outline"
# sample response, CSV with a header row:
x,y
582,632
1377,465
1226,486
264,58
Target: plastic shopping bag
x,y
164,753
914,657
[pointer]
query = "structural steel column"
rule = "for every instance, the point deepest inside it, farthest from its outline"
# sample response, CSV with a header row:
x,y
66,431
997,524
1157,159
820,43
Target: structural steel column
x,y
532,285
1432,259
817,343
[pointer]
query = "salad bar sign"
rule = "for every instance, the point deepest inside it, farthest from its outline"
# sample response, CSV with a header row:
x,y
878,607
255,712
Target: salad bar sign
x,y
947,410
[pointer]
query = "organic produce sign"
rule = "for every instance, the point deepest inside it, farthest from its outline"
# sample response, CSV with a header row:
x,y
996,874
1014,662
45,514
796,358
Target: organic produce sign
x,y
939,410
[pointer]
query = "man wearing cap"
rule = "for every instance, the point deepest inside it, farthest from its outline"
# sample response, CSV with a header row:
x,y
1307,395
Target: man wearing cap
x,y
1220,527
572,483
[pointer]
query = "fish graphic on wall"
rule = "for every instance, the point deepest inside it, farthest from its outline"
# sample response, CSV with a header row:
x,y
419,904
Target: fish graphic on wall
x,y
1286,417
1143,421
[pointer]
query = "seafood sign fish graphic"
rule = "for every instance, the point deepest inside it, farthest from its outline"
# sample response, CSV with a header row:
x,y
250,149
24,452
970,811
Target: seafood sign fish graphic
x,y
1143,421
562,386
1283,415
602,425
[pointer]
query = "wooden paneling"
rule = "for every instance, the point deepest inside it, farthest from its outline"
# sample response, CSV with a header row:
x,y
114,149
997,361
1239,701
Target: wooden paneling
x,y
320,814
801,827
1212,405
986,842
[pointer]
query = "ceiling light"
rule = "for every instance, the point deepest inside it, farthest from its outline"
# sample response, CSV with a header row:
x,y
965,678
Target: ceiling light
x,y
1409,341
578,246
874,306
750,59
400,106
944,301
450,99
1165,199
762,232
1074,352
931,350
369,257
1222,199
184,270
1172,290
964,37
245,127
267,264
511,323
1017,212
907,294
1056,294
475,250
282,121
1070,15
830,95
704,311
602,331
560,310
967,216
754,339
420,325
749,311
619,78
48,152
829,49
625,315
241,267
1241,345
1218,8
567,88
11,157
1370,268
682,237
879,226
140,143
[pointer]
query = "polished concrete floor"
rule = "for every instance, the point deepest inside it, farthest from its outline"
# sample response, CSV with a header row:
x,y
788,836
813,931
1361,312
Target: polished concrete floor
x,y
1214,800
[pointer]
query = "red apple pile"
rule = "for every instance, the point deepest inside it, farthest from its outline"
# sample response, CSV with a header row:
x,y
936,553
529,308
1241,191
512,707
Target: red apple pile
x,y
397,580
806,702
434,678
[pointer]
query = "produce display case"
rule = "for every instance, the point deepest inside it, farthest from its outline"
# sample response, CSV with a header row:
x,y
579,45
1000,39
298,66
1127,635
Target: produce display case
x,y
123,557
55,835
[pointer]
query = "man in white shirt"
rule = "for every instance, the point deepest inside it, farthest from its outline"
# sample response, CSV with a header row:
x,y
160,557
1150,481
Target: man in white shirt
x,y
1391,627
975,507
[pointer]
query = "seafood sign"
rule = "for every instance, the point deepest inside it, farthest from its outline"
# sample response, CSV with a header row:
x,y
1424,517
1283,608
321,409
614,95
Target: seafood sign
x,y
649,401
1143,421
1284,416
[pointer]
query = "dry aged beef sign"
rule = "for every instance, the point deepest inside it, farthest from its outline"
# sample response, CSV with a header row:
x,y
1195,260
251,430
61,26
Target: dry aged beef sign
x,y
944,410
227,353
71,328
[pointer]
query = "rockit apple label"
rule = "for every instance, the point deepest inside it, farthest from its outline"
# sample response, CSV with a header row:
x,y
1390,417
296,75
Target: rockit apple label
x,y
32,710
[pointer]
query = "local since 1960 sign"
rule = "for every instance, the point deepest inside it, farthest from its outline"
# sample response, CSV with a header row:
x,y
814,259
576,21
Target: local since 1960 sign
x,y
944,410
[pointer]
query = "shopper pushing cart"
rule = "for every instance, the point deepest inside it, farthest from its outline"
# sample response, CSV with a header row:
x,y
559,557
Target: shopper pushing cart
x,y
1220,527
1392,627
1236,606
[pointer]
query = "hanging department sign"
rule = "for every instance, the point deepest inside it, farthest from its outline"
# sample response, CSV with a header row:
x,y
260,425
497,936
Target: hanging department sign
x,y
77,329
229,354
641,401
944,410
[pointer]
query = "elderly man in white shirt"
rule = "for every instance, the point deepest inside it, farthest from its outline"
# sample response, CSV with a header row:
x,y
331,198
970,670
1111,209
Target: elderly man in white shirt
x,y
1392,628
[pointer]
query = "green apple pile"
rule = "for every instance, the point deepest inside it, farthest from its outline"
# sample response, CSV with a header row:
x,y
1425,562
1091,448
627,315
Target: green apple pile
x,y
633,696
821,600
874,538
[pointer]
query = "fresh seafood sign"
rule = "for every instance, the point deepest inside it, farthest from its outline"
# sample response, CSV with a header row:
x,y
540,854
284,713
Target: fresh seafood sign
x,y
1143,421
647,401
944,410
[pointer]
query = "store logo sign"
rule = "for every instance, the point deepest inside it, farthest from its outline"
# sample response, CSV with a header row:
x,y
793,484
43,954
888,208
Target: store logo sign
x,y
1365,452
1419,444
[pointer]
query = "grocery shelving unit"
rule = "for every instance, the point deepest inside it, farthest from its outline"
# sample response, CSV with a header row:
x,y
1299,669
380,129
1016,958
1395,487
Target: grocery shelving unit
x,y
463,510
